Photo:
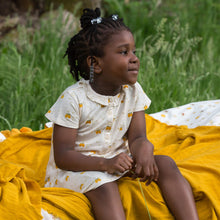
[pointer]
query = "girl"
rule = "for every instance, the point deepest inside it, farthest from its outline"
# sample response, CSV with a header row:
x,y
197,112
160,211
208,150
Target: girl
x,y
99,124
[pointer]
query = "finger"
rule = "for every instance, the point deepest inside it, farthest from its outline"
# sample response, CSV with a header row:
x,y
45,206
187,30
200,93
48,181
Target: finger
x,y
156,172
149,180
125,165
147,174
130,159
138,169
121,169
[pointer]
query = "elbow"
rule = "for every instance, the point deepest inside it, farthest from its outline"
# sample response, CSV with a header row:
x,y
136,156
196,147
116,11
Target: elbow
x,y
59,163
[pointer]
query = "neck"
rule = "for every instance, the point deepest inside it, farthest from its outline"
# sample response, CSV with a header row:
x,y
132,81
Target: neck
x,y
105,89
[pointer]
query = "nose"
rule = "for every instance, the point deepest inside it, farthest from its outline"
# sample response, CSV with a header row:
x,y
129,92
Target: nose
x,y
134,58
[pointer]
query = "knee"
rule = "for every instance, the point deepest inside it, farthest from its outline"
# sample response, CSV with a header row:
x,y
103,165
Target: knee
x,y
166,165
103,191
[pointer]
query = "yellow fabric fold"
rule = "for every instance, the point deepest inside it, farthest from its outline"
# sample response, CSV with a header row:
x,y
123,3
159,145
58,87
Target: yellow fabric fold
x,y
24,156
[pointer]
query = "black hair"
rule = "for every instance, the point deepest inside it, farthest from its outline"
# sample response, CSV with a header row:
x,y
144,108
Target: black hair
x,y
90,40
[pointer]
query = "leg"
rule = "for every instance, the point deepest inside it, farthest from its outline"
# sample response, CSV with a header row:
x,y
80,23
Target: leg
x,y
176,190
106,202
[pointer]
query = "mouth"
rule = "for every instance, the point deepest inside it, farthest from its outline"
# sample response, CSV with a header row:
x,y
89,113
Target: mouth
x,y
133,71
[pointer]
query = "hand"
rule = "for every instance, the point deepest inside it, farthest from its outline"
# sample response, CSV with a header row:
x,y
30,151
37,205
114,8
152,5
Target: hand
x,y
145,165
120,163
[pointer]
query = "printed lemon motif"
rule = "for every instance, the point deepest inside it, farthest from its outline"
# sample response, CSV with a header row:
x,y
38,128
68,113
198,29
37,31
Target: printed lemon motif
x,y
119,95
67,177
162,115
56,182
197,117
108,128
49,111
145,107
122,101
102,106
62,96
82,145
120,128
93,151
97,180
130,114
125,86
82,172
80,105
189,108
81,186
67,116
98,132
88,122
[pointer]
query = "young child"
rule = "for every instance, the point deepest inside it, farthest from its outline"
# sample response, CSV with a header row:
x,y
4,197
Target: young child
x,y
99,124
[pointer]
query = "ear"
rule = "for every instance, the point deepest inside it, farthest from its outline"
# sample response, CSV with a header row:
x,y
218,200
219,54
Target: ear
x,y
96,62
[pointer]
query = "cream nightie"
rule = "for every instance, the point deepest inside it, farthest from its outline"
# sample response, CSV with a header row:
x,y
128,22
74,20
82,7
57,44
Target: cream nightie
x,y
102,123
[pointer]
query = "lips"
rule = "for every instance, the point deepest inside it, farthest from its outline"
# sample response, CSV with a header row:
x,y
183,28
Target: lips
x,y
135,71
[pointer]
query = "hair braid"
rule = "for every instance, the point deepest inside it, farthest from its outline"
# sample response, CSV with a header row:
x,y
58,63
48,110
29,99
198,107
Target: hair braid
x,y
90,41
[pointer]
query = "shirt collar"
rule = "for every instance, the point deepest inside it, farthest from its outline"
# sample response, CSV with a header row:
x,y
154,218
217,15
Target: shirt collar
x,y
102,99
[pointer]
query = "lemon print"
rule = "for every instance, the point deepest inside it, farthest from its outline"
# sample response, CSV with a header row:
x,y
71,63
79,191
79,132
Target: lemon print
x,y
62,96
67,116
130,114
108,128
80,105
88,122
98,132
82,145
81,186
97,180
93,151
67,177
145,107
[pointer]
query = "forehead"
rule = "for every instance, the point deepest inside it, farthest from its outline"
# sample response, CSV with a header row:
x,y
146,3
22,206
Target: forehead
x,y
121,38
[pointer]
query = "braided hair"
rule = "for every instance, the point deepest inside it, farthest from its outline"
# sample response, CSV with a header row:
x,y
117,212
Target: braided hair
x,y
91,40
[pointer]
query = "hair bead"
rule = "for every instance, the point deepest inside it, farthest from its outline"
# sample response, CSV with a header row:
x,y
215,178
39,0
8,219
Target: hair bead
x,y
96,20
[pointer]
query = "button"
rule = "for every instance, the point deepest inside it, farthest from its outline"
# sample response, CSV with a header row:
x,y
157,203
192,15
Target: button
x,y
107,136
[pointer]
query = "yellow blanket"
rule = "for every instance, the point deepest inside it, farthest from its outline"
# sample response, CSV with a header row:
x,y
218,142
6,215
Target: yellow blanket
x,y
24,156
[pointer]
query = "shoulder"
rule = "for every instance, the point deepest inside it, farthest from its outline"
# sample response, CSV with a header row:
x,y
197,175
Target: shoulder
x,y
76,91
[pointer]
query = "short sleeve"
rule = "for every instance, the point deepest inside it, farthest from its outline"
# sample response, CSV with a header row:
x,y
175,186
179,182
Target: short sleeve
x,y
142,102
65,111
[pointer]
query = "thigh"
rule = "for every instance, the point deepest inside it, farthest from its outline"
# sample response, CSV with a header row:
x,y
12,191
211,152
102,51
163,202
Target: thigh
x,y
106,202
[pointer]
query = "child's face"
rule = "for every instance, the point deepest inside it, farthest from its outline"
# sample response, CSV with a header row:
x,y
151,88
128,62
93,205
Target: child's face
x,y
120,65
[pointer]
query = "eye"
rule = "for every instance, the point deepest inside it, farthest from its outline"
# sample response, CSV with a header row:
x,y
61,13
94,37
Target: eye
x,y
124,52
134,52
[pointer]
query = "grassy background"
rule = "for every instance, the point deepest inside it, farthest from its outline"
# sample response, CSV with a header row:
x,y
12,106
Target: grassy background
x,y
177,43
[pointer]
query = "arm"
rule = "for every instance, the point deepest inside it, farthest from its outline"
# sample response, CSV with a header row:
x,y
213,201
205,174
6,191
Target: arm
x,y
141,148
68,159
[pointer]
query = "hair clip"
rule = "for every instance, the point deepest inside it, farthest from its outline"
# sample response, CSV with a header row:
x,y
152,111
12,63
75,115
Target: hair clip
x,y
114,17
96,20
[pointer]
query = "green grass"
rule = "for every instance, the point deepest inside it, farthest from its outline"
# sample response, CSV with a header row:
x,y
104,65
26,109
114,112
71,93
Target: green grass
x,y
177,43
